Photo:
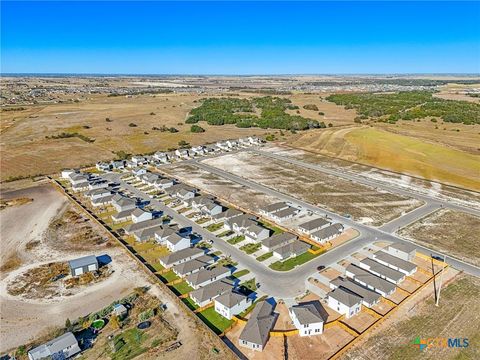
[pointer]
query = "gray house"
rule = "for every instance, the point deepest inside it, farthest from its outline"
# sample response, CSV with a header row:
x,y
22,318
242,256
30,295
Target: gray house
x,y
278,240
404,251
208,293
62,347
369,297
367,279
257,330
205,277
313,225
83,265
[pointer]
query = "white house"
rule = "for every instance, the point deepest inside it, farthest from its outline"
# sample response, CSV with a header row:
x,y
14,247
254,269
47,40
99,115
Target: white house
x,y
403,251
398,264
139,172
273,208
181,256
163,183
344,302
370,281
206,294
284,215
67,172
139,160
256,332
327,233
369,297
205,277
382,271
122,203
139,215
308,318
256,233
62,347
175,242
97,184
182,153
231,303
311,226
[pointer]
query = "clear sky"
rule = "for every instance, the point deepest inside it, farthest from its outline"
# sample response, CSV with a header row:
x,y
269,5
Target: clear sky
x,y
240,37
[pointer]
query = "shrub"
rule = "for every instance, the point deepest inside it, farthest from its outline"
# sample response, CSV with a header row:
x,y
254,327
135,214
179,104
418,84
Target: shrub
x,y
196,129
132,124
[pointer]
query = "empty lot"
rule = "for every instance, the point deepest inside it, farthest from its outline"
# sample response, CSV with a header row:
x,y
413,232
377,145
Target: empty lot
x,y
363,203
451,232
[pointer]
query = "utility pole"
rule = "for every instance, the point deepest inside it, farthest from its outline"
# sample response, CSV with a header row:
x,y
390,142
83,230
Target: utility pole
x,y
441,280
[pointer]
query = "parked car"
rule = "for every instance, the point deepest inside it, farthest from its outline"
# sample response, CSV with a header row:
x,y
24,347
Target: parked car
x,y
320,268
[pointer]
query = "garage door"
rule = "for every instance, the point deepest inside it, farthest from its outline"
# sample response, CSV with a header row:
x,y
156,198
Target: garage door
x,y
78,271
92,267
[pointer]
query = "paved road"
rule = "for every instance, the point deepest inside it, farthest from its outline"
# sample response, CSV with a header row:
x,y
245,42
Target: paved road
x,y
410,217
368,234
372,183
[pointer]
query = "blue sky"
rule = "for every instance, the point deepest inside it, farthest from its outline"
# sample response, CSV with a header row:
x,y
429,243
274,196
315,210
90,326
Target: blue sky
x,y
240,37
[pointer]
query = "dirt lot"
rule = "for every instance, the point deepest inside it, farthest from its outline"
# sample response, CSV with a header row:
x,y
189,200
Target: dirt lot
x,y
364,204
361,321
456,317
234,193
23,320
452,232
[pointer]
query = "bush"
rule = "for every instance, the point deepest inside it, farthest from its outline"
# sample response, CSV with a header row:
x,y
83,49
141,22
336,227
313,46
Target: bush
x,y
312,107
147,314
132,124
196,129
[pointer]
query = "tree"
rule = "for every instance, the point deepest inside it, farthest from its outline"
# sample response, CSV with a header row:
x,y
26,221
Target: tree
x,y
114,322
68,325
132,124
183,144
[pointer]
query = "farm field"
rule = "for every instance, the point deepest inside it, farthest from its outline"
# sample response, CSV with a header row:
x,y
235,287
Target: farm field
x,y
403,152
456,317
452,232
363,203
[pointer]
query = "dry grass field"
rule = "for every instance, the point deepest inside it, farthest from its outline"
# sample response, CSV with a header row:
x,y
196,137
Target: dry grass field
x,y
406,154
452,232
456,317
363,203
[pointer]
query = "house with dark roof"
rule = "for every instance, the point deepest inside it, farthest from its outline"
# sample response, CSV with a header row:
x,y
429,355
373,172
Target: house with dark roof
x,y
256,332
205,277
206,294
240,223
62,347
231,303
122,203
130,229
273,208
311,226
256,233
139,215
146,234
273,242
192,266
181,257
328,233
122,216
284,214
344,302
291,250
308,318
396,263
227,214
177,242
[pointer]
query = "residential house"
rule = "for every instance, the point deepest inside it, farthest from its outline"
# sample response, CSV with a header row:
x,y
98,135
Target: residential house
x,y
382,271
403,251
198,150
222,145
274,242
369,297
102,166
239,223
344,302
122,216
273,208
231,303
83,265
367,279
256,233
62,347
181,257
139,172
162,234
406,267
97,184
161,156
205,277
139,160
284,214
163,183
232,144
181,191
130,229
227,215
182,153
146,234
328,233
308,318
256,332
67,173
291,250
139,215
192,266
176,242
102,201
312,226
122,203
98,193
206,294
117,164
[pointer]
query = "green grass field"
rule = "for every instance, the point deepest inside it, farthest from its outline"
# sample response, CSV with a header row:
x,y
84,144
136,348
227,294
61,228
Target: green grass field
x,y
291,263
215,321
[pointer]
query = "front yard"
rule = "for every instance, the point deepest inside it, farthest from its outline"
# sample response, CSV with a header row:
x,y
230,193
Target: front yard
x,y
291,263
251,248
214,227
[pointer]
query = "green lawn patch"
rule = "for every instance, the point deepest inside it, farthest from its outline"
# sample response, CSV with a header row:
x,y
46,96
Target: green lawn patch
x,y
240,273
289,264
190,303
236,239
251,248
265,256
202,220
128,344
215,321
170,276
249,284
182,288
225,233
214,227
275,229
